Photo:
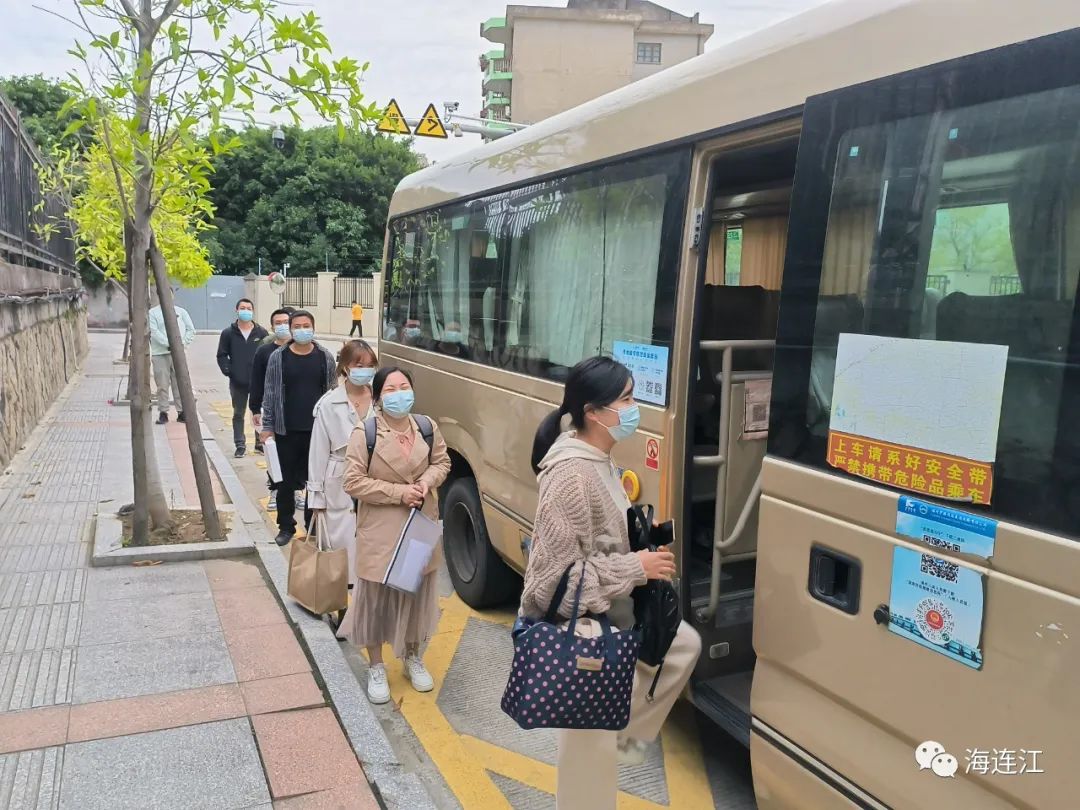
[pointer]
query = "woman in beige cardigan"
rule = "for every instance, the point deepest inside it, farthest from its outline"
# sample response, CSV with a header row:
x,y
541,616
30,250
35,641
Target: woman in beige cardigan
x,y
403,473
581,517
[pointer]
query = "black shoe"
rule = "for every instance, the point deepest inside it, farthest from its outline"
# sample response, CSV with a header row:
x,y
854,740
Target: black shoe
x,y
180,417
283,537
259,449
240,452
163,418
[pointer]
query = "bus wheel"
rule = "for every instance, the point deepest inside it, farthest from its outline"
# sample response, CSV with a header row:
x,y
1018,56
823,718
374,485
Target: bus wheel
x,y
479,575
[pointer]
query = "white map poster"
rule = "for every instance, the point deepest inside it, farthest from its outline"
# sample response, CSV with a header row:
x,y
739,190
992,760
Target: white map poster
x,y
939,396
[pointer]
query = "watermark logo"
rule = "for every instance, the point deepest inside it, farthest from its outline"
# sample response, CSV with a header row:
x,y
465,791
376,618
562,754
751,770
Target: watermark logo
x,y
932,756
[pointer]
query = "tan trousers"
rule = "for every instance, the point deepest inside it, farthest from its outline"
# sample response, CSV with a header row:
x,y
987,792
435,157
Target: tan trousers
x,y
164,379
588,760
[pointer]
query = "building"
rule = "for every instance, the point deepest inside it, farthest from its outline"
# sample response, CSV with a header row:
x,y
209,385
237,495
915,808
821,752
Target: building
x,y
552,59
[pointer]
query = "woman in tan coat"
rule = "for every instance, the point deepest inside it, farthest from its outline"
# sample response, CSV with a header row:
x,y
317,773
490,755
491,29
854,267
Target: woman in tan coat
x,y
403,473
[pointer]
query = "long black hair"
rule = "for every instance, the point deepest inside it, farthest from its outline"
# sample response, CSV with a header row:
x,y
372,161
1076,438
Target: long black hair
x,y
596,381
380,380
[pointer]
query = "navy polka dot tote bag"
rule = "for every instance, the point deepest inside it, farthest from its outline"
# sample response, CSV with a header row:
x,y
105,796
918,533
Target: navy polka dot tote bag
x,y
559,680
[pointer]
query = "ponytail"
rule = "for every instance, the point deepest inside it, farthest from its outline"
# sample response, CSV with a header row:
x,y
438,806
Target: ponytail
x,y
546,434
597,381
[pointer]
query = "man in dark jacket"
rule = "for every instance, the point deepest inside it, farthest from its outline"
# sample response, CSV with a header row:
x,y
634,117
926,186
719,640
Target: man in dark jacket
x,y
279,336
235,354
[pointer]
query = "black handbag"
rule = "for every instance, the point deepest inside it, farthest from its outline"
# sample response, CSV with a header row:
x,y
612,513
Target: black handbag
x,y
561,681
656,603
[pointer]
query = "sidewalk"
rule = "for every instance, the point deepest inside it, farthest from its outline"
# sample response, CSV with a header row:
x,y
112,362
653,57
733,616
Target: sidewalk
x,y
174,685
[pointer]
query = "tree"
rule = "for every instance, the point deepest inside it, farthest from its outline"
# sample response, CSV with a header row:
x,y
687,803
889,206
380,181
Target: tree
x,y
319,200
973,239
167,70
39,101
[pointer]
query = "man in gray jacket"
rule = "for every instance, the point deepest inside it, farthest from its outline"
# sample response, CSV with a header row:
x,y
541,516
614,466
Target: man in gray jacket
x,y
297,376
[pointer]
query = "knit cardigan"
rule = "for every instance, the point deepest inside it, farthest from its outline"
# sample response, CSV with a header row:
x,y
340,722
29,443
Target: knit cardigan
x,y
577,520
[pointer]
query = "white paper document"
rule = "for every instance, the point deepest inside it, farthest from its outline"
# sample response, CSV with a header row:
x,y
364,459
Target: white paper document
x,y
936,395
273,463
420,536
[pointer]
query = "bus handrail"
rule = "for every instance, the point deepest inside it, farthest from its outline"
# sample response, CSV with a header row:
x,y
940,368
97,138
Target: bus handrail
x,y
728,347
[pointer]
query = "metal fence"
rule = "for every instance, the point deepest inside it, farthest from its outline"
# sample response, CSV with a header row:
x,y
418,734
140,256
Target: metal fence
x,y
1005,285
301,292
347,290
20,196
939,282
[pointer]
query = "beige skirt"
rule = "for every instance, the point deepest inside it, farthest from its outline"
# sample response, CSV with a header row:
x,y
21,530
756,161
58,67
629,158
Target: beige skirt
x,y
380,615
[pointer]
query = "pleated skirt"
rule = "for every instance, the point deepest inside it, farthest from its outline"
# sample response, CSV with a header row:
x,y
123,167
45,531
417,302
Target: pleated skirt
x,y
380,615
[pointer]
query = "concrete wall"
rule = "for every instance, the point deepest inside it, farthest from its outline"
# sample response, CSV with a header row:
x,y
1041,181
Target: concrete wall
x,y
107,306
328,318
559,64
674,48
42,344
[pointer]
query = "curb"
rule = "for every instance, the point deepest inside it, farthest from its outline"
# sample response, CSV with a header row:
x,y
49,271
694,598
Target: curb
x,y
108,549
398,788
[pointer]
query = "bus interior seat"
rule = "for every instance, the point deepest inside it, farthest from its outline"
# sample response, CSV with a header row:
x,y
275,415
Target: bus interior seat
x,y
1036,331
836,314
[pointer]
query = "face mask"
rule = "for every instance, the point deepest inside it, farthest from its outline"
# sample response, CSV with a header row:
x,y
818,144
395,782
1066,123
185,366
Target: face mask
x,y
281,331
361,376
412,333
629,419
303,336
451,337
398,403
246,315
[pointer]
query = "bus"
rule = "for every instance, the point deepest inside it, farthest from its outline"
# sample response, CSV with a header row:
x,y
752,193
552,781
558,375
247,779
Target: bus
x,y
841,256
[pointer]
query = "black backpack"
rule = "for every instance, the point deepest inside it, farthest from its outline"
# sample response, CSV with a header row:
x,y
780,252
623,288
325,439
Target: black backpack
x,y
371,434
656,603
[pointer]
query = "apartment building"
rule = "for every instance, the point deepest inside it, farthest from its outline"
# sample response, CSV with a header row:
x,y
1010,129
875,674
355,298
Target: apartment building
x,y
551,59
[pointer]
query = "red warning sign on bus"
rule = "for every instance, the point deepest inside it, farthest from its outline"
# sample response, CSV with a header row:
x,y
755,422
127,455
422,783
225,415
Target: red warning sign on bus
x,y
652,454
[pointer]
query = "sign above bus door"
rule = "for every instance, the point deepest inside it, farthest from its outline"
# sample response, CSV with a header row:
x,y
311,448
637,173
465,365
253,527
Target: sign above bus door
x,y
393,120
430,126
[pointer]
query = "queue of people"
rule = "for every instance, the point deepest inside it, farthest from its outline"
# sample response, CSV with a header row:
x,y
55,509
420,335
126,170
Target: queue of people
x,y
345,431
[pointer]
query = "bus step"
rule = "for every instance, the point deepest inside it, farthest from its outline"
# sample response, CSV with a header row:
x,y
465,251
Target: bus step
x,y
726,701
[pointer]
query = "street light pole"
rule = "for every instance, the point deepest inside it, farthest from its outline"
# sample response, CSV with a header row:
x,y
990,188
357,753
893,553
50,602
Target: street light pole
x,y
285,270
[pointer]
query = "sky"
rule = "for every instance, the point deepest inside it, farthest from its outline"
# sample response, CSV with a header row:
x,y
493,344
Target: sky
x,y
420,51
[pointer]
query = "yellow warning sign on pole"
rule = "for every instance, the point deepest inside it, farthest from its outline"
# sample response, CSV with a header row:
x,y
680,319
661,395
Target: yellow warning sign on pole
x,y
430,126
393,120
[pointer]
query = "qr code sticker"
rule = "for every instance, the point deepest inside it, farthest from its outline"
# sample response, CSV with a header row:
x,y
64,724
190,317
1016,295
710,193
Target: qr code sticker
x,y
942,569
937,542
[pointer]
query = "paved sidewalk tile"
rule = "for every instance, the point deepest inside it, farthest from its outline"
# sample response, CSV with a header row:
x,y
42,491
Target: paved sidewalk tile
x,y
149,582
225,575
110,671
33,728
280,694
305,752
112,718
248,607
140,619
214,766
343,798
31,779
265,652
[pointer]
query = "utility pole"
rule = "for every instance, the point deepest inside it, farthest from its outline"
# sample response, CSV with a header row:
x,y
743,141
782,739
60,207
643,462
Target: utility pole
x,y
285,270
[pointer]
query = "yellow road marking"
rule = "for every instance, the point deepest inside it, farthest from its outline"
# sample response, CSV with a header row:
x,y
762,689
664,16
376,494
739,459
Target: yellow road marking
x,y
684,762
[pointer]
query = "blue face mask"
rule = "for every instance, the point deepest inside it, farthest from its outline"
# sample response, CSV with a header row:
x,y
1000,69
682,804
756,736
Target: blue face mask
x,y
398,403
303,336
629,419
412,333
281,331
451,337
361,376
246,315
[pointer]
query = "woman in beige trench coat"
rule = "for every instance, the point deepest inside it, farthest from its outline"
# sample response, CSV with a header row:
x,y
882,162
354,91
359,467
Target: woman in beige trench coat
x,y
403,473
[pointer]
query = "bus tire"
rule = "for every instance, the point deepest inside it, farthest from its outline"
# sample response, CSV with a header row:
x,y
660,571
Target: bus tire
x,y
480,576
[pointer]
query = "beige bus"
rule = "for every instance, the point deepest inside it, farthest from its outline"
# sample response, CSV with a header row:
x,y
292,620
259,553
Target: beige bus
x,y
842,257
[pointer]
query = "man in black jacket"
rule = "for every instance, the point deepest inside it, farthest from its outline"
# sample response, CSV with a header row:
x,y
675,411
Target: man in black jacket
x,y
235,355
279,325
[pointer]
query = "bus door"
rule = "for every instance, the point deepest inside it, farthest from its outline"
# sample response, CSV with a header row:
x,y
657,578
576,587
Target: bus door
x,y
918,567
743,239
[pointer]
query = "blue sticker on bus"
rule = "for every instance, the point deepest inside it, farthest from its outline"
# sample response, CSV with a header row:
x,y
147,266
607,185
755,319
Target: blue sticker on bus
x,y
945,528
937,604
649,365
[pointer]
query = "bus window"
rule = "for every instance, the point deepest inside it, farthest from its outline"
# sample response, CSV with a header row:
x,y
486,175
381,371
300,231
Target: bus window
x,y
965,226
535,279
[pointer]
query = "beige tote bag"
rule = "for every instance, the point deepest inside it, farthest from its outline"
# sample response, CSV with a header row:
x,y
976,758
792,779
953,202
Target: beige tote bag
x,y
318,574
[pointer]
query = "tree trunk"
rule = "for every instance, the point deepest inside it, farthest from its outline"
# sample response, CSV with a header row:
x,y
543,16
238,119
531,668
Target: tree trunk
x,y
150,504
211,522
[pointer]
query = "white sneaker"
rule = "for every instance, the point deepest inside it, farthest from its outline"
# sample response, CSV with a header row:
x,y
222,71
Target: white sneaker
x,y
378,690
418,675
271,505
632,752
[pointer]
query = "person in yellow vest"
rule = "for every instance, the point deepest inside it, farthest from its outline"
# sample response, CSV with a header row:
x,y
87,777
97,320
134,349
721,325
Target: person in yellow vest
x,y
357,320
